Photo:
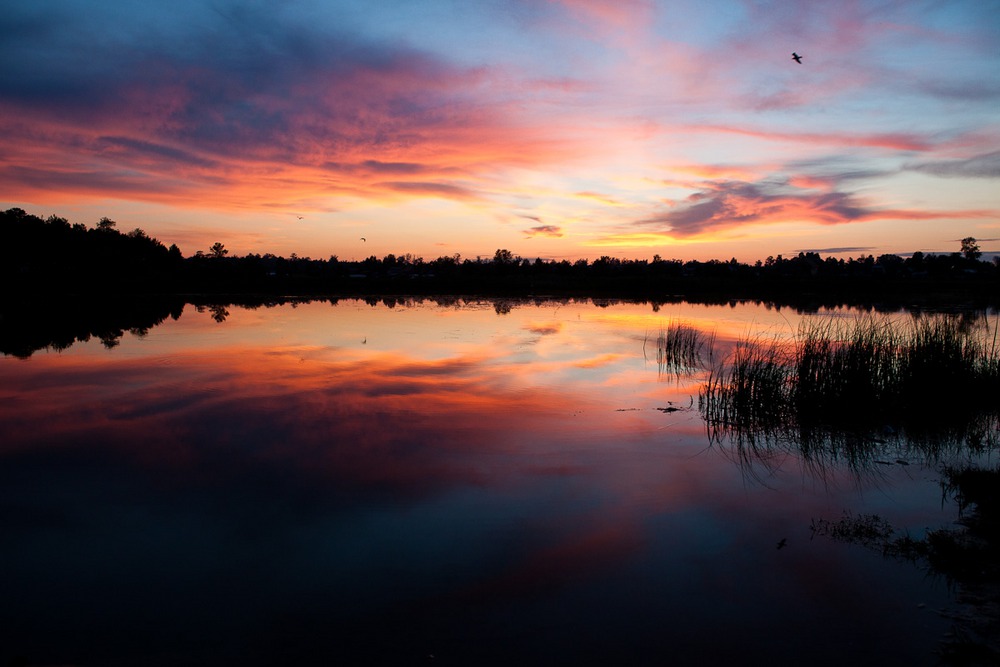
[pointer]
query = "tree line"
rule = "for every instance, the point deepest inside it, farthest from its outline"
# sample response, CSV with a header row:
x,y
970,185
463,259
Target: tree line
x,y
53,256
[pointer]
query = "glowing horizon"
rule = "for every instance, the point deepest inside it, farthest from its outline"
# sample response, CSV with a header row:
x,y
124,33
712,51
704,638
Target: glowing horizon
x,y
560,129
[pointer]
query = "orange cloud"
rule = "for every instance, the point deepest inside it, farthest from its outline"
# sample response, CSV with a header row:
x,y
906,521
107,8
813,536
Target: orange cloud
x,y
600,198
553,231
716,171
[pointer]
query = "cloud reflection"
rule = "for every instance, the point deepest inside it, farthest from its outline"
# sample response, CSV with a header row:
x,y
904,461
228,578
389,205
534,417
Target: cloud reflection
x,y
338,498
388,422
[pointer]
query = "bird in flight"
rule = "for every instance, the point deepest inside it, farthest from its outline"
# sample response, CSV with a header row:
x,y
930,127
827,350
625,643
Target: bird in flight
x,y
796,57
364,239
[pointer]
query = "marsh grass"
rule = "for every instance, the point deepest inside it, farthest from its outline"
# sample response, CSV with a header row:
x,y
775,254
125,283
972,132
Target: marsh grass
x,y
751,391
844,370
682,349
853,388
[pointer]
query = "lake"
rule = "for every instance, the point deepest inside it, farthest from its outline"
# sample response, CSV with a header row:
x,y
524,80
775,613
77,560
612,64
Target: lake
x,y
406,481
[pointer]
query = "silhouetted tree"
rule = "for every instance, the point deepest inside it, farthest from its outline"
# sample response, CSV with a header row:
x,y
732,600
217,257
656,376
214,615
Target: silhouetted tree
x,y
504,257
970,248
218,250
106,224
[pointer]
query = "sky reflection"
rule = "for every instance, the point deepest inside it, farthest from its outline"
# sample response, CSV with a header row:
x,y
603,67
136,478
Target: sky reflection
x,y
382,484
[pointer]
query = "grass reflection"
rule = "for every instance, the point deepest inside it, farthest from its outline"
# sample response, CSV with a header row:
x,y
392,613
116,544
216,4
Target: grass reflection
x,y
682,350
967,555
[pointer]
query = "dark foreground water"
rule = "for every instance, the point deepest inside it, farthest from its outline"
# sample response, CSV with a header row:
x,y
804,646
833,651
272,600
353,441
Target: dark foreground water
x,y
469,485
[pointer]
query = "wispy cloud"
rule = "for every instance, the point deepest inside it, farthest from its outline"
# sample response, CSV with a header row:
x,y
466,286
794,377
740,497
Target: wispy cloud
x,y
971,90
720,205
605,15
407,168
553,231
836,251
607,200
900,141
986,165
448,190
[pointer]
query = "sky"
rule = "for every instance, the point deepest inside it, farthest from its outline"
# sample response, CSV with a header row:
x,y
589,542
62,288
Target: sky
x,y
559,129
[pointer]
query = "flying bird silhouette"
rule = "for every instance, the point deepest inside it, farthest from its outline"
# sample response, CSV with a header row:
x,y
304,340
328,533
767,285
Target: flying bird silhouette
x,y
796,57
364,239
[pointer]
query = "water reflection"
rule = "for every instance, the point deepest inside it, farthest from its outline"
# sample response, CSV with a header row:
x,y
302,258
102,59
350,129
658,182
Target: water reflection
x,y
28,328
867,393
362,484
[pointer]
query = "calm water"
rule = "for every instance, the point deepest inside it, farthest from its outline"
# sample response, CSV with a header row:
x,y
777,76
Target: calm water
x,y
359,484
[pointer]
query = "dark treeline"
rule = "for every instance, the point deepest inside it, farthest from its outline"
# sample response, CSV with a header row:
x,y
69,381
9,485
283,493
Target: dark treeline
x,y
52,256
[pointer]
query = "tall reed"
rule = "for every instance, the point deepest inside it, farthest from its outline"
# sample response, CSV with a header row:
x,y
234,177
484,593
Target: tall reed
x,y
680,348
948,353
751,390
873,376
845,370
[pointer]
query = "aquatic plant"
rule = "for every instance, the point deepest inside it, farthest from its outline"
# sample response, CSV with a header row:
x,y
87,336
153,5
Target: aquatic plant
x,y
871,531
845,370
847,390
952,353
751,391
680,347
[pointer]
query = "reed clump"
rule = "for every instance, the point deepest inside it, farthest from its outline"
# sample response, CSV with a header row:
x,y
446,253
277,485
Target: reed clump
x,y
682,349
872,375
845,369
751,391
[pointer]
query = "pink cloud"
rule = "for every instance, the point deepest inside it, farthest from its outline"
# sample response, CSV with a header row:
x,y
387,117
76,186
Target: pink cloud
x,y
892,140
616,13
721,205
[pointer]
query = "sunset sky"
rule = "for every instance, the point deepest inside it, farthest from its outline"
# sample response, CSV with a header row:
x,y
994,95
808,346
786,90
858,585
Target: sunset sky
x,y
559,129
